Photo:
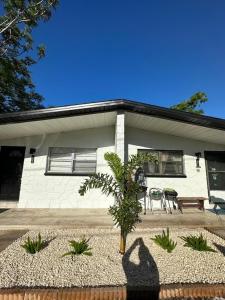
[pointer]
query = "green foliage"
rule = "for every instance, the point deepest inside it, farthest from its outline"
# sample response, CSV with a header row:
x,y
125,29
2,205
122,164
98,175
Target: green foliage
x,y
105,182
20,17
164,241
33,246
122,186
126,215
192,104
198,243
79,247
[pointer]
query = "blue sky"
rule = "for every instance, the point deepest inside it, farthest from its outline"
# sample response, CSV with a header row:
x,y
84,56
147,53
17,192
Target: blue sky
x,y
159,52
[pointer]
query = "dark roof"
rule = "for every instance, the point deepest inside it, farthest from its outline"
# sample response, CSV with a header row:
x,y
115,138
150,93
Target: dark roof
x,y
113,105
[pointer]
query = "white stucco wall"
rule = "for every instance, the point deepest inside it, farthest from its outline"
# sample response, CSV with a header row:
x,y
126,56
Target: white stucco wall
x,y
40,191
195,184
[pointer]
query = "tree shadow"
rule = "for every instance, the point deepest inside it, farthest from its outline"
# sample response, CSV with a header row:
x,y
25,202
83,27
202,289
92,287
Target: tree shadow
x,y
142,278
220,248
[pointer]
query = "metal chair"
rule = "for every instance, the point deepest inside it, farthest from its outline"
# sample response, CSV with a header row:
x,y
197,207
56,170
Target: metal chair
x,y
156,194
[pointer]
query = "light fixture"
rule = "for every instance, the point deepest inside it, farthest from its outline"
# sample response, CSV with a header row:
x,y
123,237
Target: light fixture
x,y
32,153
198,156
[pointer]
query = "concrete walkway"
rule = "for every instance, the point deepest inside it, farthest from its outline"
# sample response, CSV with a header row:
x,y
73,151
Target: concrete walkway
x,y
9,236
75,218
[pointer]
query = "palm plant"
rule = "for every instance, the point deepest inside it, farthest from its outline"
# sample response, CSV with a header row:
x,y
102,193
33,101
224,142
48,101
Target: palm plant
x,y
79,247
124,188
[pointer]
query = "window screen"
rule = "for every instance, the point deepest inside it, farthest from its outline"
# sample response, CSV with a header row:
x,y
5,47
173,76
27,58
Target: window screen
x,y
71,160
168,162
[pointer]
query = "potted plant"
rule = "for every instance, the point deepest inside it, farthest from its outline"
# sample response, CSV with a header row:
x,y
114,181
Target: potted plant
x,y
156,195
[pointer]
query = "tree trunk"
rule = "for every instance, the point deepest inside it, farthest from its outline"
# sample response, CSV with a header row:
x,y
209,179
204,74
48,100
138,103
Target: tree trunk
x,y
123,238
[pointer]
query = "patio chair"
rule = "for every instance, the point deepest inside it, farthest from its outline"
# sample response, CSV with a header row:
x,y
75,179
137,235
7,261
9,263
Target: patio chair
x,y
156,194
170,199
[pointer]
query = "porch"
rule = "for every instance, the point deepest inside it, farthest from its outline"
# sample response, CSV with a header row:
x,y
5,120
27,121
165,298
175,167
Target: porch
x,y
18,218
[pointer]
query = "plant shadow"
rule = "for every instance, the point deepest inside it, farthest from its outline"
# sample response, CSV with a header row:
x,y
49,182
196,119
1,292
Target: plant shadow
x,y
142,278
220,248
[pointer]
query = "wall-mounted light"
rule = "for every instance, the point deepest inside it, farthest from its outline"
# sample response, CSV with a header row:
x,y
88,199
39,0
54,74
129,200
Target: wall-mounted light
x,y
198,156
32,153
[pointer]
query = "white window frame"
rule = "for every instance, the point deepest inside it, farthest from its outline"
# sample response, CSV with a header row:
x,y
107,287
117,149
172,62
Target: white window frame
x,y
72,160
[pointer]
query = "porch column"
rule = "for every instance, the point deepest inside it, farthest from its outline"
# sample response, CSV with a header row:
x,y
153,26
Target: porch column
x,y
120,135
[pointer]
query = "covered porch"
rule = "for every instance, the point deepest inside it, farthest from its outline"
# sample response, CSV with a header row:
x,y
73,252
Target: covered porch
x,y
18,218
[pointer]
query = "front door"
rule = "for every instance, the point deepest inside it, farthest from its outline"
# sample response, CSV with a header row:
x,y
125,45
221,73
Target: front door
x,y
11,167
215,162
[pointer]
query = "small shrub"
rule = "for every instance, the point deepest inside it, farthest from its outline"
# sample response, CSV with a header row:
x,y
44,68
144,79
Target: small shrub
x,y
198,243
33,246
79,247
164,241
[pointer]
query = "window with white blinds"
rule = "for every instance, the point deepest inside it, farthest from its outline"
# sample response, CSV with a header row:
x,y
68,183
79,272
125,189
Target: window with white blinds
x,y
71,160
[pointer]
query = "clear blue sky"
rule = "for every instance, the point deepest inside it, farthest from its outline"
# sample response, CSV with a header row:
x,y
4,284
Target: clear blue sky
x,y
159,52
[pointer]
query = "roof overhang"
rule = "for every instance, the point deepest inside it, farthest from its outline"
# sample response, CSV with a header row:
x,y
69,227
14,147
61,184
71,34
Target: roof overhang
x,y
175,128
57,125
98,114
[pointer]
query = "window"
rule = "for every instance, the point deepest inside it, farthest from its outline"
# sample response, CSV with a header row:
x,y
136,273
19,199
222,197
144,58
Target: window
x,y
169,163
71,161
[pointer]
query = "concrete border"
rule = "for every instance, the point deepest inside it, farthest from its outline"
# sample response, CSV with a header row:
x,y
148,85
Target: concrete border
x,y
180,291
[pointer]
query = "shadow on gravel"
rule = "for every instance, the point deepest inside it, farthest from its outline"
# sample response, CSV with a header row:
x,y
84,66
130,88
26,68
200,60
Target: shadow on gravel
x,y
142,278
220,248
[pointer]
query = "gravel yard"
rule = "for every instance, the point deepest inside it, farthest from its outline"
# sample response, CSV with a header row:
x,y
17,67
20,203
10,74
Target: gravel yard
x,y
145,263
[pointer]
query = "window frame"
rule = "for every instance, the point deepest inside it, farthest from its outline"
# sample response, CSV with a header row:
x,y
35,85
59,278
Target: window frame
x,y
160,151
75,149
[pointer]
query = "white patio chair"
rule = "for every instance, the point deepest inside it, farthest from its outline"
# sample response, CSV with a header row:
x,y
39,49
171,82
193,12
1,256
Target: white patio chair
x,y
156,194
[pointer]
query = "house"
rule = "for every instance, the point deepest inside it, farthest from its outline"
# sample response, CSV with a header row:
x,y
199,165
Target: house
x,y
46,154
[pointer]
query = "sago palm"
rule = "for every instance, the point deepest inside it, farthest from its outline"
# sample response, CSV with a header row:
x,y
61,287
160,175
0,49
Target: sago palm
x,y
124,188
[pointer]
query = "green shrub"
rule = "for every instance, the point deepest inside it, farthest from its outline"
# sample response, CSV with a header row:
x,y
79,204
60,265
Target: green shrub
x,y
79,247
164,241
198,243
33,246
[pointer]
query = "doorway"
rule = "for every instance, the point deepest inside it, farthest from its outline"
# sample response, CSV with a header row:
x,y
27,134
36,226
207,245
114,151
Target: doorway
x,y
215,165
11,168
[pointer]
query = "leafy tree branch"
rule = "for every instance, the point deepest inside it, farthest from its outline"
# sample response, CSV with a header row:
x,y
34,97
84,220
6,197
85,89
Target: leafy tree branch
x,y
192,104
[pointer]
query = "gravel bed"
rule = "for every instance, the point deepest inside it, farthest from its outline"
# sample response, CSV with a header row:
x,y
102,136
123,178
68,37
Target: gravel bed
x,y
144,263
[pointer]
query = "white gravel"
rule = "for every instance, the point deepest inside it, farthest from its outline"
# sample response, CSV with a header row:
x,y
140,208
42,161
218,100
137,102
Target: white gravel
x,y
145,263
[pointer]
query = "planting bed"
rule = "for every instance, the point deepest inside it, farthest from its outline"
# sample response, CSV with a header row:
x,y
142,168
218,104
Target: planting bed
x,y
144,264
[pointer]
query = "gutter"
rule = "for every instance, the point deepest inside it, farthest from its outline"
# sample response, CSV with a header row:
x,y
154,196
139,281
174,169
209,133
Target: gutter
x,y
109,106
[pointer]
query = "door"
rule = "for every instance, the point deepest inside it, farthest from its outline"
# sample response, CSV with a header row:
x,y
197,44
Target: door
x,y
11,167
215,163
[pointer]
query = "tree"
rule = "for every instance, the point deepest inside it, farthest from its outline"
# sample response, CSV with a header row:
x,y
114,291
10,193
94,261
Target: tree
x,y
17,91
192,104
124,188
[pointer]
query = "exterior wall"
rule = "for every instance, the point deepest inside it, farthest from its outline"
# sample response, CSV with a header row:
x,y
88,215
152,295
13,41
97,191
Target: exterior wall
x,y
40,191
195,184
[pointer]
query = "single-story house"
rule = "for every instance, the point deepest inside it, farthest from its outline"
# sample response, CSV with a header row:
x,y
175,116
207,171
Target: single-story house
x,y
46,154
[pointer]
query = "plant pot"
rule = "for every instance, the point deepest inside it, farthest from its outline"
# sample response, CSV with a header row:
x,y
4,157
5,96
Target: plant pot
x,y
156,196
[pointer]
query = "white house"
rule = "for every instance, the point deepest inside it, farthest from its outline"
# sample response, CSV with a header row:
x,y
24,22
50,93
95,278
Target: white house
x,y
46,154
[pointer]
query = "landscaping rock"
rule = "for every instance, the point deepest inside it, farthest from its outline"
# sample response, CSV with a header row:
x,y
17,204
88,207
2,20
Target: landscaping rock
x,y
144,264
